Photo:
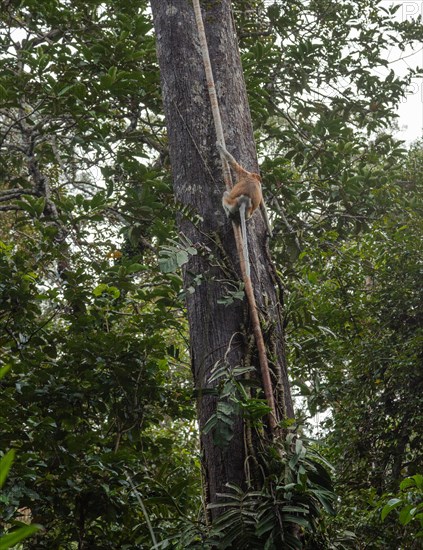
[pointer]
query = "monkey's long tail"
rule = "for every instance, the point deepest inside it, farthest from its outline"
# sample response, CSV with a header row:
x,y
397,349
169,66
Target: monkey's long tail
x,y
244,203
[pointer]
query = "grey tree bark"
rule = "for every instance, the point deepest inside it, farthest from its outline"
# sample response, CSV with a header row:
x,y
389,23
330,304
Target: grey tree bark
x,y
217,331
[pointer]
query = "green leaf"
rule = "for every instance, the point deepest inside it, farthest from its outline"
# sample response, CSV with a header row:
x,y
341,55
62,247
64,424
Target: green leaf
x,y
3,92
210,424
407,514
389,506
32,205
168,265
265,526
134,268
106,81
99,289
297,520
4,370
11,539
79,90
413,481
113,72
182,257
65,89
5,464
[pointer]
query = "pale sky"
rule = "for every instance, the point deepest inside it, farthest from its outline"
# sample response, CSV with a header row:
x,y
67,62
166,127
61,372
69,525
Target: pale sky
x,y
410,112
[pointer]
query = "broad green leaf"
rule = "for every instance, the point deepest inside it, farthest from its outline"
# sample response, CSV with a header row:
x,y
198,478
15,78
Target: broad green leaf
x,y
5,464
413,481
4,370
389,506
11,539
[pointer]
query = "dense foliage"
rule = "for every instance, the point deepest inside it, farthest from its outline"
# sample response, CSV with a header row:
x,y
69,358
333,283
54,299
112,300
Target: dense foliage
x,y
98,402
361,358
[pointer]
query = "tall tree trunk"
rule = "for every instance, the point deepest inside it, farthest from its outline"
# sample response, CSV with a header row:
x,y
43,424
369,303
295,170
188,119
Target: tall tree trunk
x,y
218,332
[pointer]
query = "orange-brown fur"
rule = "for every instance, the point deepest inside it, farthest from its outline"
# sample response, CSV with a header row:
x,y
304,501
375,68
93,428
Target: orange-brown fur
x,y
243,198
248,185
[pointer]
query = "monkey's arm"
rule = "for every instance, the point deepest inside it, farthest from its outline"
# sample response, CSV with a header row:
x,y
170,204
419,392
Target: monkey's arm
x,y
232,162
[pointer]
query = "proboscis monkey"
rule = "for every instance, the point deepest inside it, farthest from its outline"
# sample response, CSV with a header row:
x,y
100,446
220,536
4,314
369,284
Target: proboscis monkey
x,y
245,197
